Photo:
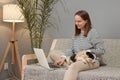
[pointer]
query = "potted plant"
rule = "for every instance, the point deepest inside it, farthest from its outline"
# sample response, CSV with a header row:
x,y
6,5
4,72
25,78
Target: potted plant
x,y
37,14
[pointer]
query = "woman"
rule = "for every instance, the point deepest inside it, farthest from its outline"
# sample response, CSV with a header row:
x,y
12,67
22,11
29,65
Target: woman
x,y
86,39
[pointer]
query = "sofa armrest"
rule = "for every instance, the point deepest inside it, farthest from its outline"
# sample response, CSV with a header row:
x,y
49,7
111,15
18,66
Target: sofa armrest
x,y
25,58
53,44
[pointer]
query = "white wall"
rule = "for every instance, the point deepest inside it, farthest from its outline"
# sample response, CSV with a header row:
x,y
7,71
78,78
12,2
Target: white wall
x,y
105,17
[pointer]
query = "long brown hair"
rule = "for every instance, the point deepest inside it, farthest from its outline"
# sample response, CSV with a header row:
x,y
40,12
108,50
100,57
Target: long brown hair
x,y
85,16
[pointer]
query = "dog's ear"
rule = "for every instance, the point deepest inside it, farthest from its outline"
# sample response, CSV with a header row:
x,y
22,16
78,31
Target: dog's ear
x,y
73,57
90,55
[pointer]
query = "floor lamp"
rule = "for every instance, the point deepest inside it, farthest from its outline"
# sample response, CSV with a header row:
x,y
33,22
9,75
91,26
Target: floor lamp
x,y
11,13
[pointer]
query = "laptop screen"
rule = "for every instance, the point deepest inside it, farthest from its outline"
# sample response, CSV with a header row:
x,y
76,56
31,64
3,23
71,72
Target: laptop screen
x,y
41,57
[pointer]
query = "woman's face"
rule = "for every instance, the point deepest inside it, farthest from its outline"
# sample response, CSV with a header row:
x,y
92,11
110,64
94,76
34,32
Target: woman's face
x,y
79,22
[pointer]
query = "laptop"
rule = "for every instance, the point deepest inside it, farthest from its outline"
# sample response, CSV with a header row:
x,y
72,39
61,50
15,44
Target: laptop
x,y
42,60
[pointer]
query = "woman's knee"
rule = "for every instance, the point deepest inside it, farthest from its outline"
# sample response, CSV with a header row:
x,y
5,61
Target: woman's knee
x,y
55,54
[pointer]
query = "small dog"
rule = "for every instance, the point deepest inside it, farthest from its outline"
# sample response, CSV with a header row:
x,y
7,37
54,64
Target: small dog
x,y
86,58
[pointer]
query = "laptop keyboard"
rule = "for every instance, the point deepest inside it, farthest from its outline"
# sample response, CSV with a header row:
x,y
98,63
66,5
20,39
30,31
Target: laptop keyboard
x,y
53,66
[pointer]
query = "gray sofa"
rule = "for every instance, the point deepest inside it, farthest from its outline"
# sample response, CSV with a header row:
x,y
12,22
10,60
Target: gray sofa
x,y
111,71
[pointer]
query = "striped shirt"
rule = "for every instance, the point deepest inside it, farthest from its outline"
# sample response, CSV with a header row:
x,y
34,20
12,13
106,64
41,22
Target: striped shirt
x,y
92,42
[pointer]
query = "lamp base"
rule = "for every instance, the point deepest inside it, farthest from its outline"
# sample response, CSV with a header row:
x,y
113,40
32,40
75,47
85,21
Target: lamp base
x,y
15,56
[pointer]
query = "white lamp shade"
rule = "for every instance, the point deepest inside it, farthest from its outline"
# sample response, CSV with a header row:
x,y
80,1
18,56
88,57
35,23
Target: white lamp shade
x,y
12,13
5,1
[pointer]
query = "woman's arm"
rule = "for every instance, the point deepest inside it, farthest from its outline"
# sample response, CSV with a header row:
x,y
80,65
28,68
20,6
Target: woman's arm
x,y
97,42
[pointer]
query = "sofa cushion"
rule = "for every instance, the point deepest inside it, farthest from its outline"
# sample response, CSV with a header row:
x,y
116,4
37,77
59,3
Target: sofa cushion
x,y
112,52
61,44
102,73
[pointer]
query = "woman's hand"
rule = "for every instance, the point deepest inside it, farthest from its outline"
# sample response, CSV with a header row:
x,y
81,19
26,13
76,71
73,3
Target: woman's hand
x,y
59,62
80,53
